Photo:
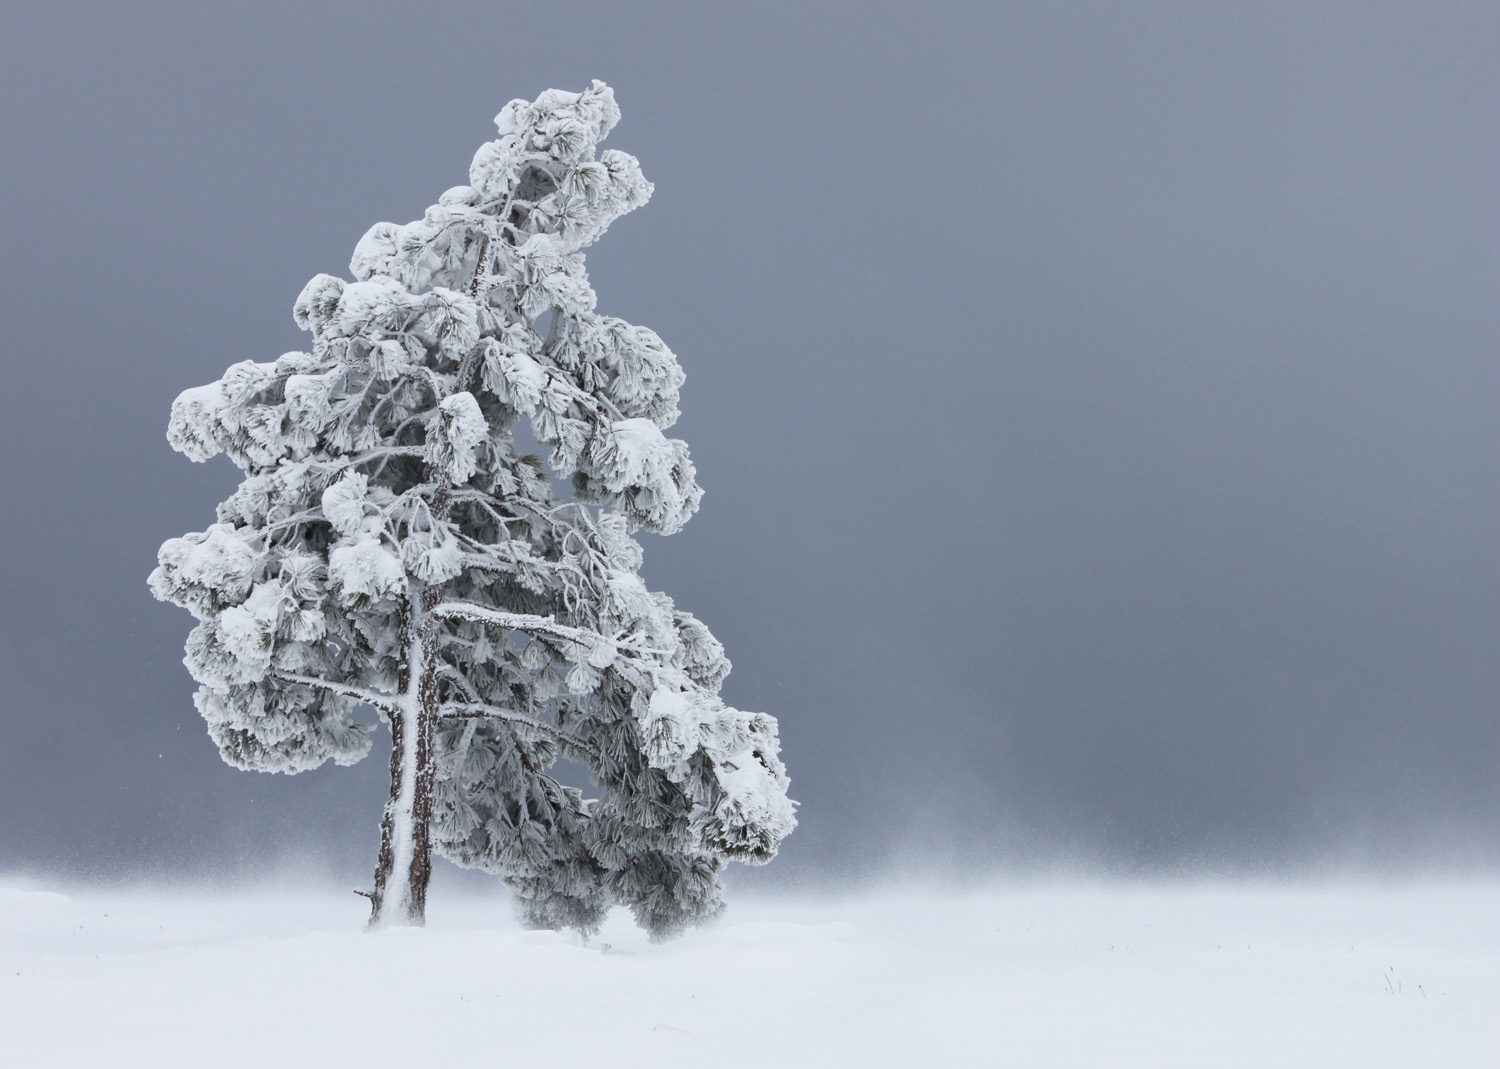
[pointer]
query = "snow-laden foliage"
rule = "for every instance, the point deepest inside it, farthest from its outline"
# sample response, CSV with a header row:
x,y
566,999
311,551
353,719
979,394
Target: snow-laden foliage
x,y
389,547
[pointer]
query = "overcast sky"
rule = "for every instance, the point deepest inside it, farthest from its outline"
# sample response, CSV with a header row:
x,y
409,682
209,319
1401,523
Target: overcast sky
x,y
1096,402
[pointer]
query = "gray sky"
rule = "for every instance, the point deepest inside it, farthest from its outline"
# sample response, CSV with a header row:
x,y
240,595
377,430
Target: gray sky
x,y
1097,403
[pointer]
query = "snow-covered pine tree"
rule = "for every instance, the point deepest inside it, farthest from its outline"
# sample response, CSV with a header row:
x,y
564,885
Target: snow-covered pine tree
x,y
389,547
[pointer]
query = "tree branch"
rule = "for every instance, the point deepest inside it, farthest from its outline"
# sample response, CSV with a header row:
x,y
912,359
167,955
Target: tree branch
x,y
382,702
515,621
638,673
471,710
453,675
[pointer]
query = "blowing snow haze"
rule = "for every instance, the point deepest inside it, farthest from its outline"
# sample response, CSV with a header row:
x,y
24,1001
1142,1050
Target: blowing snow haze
x,y
1095,403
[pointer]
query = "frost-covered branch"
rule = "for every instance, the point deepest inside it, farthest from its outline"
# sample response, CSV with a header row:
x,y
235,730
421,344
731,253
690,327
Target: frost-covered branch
x,y
383,702
454,676
640,673
477,711
514,621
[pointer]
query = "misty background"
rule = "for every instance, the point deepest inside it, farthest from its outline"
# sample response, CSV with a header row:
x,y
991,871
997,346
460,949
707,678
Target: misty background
x,y
1097,404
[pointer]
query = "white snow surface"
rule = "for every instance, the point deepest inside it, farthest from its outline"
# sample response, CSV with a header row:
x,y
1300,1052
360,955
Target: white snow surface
x,y
1041,974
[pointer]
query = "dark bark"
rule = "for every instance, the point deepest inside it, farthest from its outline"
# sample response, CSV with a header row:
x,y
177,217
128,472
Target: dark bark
x,y
421,854
386,858
421,720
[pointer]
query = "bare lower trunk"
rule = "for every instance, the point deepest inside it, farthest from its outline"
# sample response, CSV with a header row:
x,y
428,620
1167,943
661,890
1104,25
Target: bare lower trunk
x,y
405,860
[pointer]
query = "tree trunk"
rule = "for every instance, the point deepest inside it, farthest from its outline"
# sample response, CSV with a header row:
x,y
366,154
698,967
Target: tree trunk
x,y
404,864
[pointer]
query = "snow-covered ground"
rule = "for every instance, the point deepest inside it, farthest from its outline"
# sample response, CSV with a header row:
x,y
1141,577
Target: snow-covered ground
x,y
1095,975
